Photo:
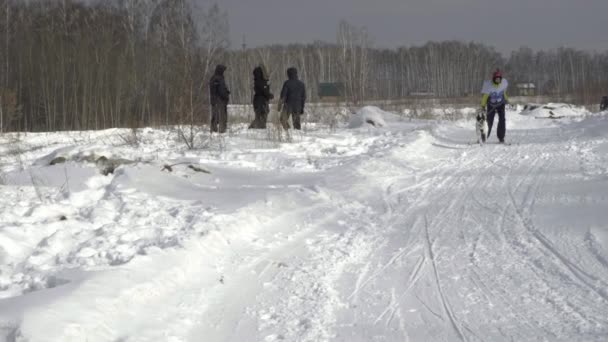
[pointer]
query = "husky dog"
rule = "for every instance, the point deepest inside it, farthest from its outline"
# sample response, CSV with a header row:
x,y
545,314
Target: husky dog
x,y
481,127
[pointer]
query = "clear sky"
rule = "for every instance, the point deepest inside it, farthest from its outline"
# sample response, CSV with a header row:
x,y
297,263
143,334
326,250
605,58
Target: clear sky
x,y
505,24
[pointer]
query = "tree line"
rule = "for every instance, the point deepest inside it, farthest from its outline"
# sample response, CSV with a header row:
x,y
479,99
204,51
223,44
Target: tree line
x,y
69,65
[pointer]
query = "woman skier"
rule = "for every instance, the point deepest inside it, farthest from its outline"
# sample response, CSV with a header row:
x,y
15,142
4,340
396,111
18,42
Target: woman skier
x,y
494,101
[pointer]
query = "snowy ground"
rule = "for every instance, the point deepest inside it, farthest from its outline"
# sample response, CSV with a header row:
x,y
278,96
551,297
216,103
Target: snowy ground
x,y
405,232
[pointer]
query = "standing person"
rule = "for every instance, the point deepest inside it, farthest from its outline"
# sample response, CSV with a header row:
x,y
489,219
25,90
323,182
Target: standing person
x,y
494,101
219,96
604,103
293,97
261,97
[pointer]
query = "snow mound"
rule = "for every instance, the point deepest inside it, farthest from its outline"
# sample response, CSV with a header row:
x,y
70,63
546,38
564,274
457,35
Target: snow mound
x,y
553,110
370,115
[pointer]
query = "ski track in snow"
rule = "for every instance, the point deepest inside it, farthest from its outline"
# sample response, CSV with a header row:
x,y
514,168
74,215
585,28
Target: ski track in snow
x,y
405,233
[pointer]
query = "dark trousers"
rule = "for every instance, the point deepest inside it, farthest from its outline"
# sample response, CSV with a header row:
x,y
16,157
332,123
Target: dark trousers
x,y
502,124
219,117
261,117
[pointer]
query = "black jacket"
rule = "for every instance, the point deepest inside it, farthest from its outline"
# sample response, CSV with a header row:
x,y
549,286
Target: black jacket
x,y
218,91
293,93
261,90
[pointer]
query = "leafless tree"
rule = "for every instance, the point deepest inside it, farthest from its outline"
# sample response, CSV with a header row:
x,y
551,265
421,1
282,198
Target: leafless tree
x,y
355,44
74,65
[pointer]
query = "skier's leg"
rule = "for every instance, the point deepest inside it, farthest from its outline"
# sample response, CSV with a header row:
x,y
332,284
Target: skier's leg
x,y
223,118
502,124
490,118
263,120
296,121
214,115
263,117
256,121
285,118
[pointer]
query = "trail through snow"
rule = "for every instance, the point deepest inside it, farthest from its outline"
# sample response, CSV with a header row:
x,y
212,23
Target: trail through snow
x,y
402,233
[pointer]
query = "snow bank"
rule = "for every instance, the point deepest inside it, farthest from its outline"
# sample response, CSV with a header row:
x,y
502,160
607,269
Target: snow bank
x,y
370,115
554,110
67,216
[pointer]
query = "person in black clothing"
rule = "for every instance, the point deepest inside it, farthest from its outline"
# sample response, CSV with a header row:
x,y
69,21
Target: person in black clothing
x,y
293,97
604,104
261,97
219,96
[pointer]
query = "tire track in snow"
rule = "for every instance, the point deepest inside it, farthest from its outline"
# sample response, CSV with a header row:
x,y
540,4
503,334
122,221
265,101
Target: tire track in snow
x,y
575,270
307,297
396,218
486,182
394,306
488,243
403,252
443,178
528,202
594,246
524,211
403,225
446,305
530,184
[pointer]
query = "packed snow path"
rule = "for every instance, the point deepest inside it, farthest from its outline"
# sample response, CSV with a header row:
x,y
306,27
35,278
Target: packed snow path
x,y
408,233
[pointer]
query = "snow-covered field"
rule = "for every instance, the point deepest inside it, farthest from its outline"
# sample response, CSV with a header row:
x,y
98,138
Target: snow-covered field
x,y
402,231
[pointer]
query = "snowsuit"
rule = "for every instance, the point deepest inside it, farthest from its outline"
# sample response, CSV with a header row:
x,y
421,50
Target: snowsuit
x,y
293,97
494,101
261,97
219,96
604,103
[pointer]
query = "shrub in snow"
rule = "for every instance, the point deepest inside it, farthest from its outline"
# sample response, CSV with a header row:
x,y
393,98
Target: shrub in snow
x,y
105,165
58,160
